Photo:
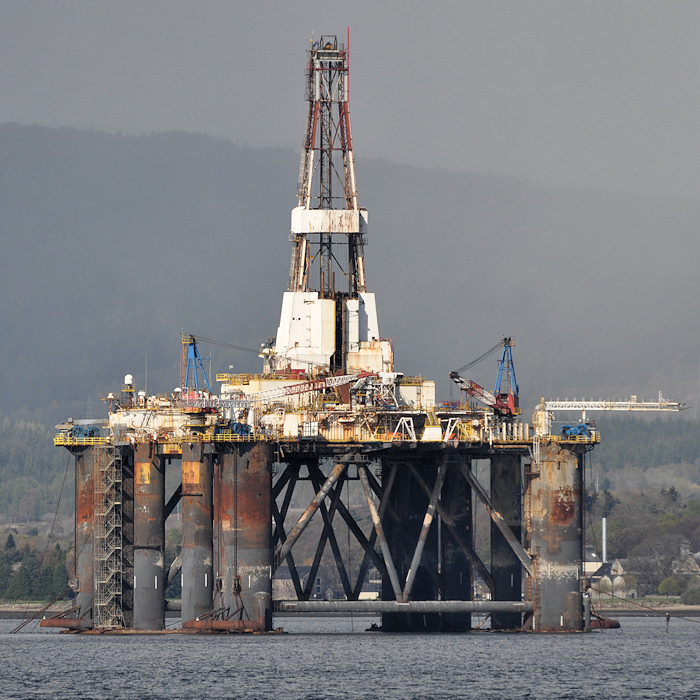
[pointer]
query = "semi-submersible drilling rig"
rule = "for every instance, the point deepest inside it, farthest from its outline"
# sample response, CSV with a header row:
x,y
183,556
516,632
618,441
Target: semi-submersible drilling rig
x,y
329,408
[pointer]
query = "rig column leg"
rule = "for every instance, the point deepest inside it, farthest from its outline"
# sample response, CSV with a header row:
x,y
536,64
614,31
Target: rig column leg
x,y
128,537
506,569
555,519
197,553
84,528
149,538
243,516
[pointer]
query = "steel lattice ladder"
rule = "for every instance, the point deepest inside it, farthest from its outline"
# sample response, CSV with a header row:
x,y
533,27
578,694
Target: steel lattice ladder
x,y
108,613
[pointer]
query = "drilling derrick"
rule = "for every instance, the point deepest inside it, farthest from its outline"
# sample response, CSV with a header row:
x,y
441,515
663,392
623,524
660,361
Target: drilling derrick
x,y
328,320
327,206
329,415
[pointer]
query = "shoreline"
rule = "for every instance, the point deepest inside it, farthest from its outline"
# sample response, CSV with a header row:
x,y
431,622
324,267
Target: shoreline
x,y
23,611
647,610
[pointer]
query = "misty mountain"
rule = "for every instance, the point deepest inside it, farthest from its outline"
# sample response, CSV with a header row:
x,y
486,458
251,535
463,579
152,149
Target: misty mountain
x,y
111,244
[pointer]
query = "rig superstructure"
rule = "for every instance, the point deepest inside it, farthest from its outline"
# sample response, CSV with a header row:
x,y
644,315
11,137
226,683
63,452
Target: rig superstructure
x,y
328,408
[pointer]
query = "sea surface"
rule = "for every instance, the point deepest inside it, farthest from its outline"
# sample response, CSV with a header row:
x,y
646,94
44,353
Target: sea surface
x,y
336,658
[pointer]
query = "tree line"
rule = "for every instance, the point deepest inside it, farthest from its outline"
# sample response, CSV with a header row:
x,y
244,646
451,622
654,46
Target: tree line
x,y
29,572
644,443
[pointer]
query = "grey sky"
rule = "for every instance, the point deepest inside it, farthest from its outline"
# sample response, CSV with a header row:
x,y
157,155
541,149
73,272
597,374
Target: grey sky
x,y
596,93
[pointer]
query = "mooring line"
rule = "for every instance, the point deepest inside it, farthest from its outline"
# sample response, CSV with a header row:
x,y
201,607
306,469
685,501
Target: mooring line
x,y
30,618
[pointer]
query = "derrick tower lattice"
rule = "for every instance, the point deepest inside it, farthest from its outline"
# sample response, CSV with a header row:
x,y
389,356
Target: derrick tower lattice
x,y
327,214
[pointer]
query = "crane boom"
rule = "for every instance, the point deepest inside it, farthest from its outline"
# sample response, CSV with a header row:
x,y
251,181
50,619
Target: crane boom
x,y
272,394
481,394
544,411
503,402
604,405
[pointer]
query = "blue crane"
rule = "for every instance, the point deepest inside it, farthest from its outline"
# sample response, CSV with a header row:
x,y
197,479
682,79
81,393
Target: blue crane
x,y
504,399
193,362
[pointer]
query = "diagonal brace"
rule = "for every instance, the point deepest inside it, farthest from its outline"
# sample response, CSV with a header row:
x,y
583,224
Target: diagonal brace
x,y
388,561
497,518
427,522
283,548
464,545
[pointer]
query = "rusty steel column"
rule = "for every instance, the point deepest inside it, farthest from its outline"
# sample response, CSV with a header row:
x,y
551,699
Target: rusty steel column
x,y
243,521
149,538
82,583
555,527
128,536
506,569
197,555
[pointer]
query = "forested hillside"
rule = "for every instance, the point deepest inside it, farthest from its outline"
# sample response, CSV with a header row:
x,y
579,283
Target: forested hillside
x,y
112,244
646,443
32,472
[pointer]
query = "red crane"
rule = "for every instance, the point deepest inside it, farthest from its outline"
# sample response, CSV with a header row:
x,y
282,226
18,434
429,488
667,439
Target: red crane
x,y
503,403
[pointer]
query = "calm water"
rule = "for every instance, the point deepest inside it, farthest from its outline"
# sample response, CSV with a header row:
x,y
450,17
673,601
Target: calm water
x,y
340,660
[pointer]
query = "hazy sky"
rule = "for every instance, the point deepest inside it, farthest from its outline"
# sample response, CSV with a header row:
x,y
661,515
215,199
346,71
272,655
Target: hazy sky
x,y
602,93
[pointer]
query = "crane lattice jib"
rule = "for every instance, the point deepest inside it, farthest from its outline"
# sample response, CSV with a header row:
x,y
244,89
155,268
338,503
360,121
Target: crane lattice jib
x,y
544,411
246,400
631,405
